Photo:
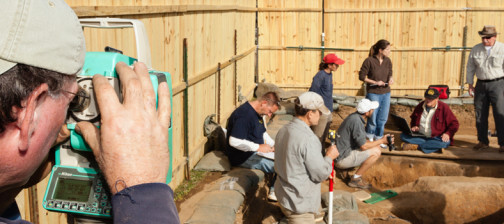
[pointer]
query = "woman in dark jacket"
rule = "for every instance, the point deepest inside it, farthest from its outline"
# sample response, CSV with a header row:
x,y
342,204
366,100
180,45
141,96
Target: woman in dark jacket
x,y
376,72
323,85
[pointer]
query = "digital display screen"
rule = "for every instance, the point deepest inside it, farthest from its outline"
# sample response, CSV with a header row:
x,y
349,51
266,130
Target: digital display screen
x,y
72,189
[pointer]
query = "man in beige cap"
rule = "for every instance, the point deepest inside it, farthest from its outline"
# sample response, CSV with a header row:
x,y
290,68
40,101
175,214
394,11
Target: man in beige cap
x,y
486,61
298,162
41,52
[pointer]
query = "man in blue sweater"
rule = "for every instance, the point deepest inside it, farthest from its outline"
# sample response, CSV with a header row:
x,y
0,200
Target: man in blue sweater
x,y
41,52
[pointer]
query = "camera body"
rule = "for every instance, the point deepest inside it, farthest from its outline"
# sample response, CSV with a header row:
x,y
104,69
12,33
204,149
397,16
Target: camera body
x,y
391,145
76,184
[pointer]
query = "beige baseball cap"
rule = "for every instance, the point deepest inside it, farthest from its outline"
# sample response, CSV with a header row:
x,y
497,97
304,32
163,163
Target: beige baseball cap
x,y
313,101
41,33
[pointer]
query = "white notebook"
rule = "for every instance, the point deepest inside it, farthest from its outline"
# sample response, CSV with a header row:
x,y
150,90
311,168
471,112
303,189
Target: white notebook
x,y
268,155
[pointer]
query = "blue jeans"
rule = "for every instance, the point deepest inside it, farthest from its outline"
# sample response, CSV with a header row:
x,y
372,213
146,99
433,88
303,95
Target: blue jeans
x,y
261,163
427,145
376,123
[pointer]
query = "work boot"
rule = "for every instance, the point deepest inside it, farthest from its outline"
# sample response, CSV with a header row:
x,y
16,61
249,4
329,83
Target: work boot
x,y
359,183
480,146
409,147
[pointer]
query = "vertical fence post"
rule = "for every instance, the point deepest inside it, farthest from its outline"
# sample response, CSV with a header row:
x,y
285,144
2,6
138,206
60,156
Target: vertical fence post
x,y
186,111
33,200
235,71
462,62
218,92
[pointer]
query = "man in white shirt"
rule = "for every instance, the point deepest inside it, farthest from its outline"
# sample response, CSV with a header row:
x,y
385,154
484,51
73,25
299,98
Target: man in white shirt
x,y
246,135
486,61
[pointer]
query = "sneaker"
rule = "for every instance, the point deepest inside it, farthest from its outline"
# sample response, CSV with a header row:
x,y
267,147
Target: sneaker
x,y
383,146
480,146
272,196
359,183
409,147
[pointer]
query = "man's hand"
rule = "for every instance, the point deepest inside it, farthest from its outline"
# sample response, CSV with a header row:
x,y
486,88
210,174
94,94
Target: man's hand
x,y
265,148
445,137
415,129
471,90
131,147
332,152
391,81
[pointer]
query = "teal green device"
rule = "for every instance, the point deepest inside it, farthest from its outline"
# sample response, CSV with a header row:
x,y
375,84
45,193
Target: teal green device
x,y
76,184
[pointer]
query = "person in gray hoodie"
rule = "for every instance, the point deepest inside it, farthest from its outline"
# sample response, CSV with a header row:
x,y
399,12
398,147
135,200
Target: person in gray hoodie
x,y
299,165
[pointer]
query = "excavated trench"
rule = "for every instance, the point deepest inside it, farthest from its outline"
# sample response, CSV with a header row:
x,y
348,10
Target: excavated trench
x,y
396,171
458,185
441,190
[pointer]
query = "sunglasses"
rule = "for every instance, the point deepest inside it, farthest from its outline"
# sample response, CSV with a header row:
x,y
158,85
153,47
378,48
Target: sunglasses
x,y
486,38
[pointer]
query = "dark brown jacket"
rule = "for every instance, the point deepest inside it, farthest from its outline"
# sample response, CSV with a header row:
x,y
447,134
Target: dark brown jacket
x,y
372,69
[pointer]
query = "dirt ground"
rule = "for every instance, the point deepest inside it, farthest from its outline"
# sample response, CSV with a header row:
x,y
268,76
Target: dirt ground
x,y
257,209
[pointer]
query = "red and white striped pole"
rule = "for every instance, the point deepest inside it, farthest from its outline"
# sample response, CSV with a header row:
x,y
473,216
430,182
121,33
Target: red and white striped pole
x,y
331,183
332,137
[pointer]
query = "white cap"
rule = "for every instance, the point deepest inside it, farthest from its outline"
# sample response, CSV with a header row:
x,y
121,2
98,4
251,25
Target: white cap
x,y
366,105
41,33
313,101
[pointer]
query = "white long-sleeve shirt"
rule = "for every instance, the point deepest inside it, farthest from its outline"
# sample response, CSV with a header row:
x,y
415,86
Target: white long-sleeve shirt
x,y
485,66
246,145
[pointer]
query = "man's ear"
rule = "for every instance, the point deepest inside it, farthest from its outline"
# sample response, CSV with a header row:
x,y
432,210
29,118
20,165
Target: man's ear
x,y
27,115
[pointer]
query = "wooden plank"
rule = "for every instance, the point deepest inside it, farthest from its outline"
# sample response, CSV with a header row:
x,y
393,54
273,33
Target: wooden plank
x,y
289,10
93,11
399,10
214,69
361,49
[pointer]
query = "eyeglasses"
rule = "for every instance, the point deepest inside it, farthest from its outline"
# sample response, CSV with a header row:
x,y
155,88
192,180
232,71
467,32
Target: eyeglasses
x,y
80,101
78,94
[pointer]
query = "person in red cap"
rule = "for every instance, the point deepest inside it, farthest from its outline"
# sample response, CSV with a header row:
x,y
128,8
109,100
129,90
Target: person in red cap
x,y
376,72
323,85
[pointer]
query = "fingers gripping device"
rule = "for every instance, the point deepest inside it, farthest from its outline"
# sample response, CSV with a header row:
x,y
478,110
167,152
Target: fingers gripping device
x,y
76,184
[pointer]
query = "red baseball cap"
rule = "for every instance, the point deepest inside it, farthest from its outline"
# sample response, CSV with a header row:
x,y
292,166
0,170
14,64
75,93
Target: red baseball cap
x,y
333,59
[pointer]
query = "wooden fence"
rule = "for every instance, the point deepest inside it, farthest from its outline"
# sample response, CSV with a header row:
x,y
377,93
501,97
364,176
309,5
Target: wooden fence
x,y
414,28
219,39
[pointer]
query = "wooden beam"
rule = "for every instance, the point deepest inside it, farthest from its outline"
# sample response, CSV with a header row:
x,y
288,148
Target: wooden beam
x,y
360,49
179,88
213,70
371,10
289,10
93,11
306,86
182,86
